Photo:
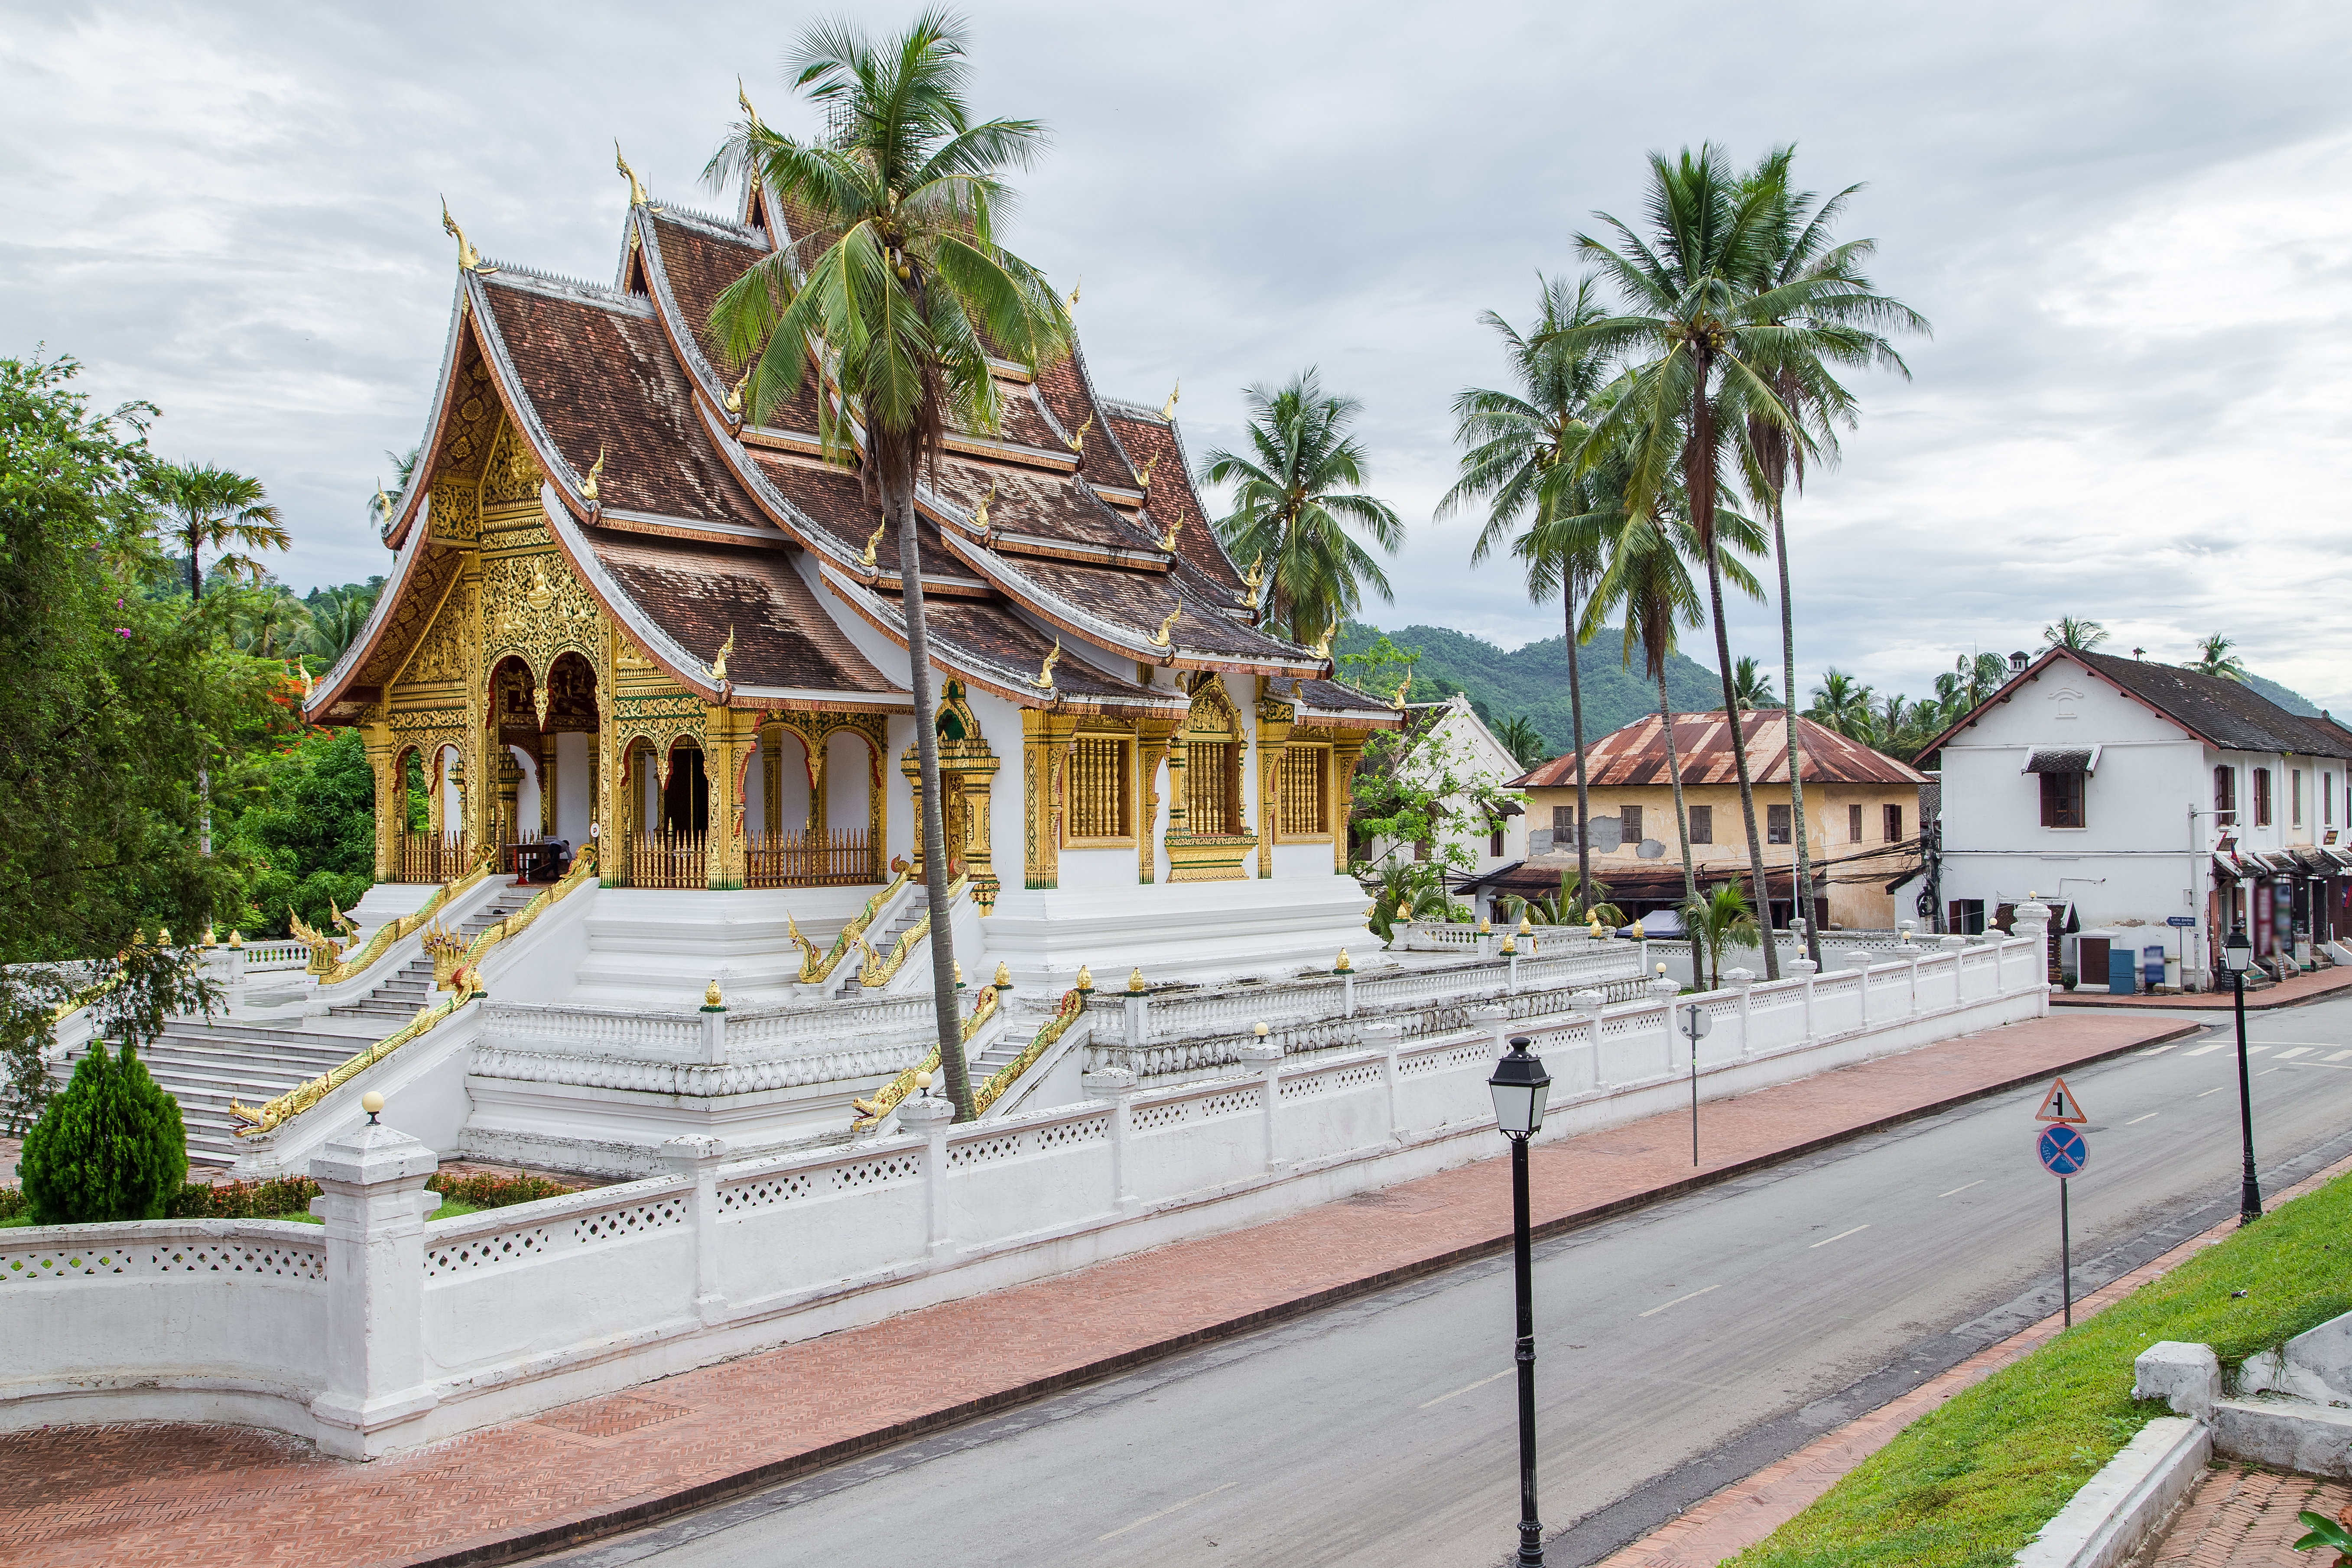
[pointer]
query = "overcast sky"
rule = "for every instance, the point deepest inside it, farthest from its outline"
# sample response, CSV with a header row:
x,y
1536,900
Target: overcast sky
x,y
2128,224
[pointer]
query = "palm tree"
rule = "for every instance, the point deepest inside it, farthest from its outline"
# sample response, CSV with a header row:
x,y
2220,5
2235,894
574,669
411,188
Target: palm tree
x,y
402,466
1709,341
1841,703
1519,459
1288,507
213,506
1980,675
2215,658
268,622
1523,741
901,289
1754,687
1851,317
1718,921
2080,635
338,618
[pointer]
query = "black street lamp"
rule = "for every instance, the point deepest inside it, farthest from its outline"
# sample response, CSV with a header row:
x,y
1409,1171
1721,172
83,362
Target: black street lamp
x,y
1520,1086
2237,957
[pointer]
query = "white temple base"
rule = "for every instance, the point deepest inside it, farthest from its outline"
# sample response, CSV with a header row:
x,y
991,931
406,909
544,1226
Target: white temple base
x,y
662,948
1188,930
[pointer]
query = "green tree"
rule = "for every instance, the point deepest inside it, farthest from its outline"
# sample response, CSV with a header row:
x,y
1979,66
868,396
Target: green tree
x,y
1706,337
2080,635
1381,670
111,1147
403,465
338,615
310,836
1518,451
1753,686
899,276
1841,703
1800,247
268,621
1523,741
2215,658
202,505
1289,508
1721,920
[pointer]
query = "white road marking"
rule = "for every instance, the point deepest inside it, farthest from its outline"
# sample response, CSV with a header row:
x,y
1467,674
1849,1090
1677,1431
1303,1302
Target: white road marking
x,y
1465,1388
2293,1052
2159,1050
2137,1119
1164,1512
2256,1050
1675,1302
1978,1182
2208,1050
2340,1056
2210,1091
2266,1072
2331,1066
1840,1235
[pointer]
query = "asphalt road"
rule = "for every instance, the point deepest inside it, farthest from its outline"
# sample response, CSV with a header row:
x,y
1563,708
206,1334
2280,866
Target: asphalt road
x,y
1680,1348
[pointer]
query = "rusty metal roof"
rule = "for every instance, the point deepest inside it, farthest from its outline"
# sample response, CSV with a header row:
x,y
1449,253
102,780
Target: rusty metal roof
x,y
1636,754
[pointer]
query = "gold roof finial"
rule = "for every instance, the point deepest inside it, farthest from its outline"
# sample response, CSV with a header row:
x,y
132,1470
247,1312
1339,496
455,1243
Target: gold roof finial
x,y
1403,687
469,258
1143,474
718,664
1160,638
735,395
637,197
1073,292
1168,540
1168,409
745,100
873,541
1254,578
1322,648
979,512
382,501
596,472
1078,441
1346,964
1044,679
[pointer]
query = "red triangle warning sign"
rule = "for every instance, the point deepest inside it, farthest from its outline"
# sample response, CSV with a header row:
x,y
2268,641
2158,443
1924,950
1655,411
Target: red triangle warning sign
x,y
2060,1105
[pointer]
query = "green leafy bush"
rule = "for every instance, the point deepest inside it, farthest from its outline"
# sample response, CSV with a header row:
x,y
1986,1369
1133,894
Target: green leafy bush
x,y
493,1192
111,1147
242,1200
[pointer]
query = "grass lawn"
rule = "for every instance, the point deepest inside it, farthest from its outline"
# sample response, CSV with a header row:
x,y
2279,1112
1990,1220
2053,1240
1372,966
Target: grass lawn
x,y
1967,1485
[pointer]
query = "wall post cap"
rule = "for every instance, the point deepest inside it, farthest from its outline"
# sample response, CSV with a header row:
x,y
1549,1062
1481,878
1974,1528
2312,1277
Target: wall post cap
x,y
692,1149
926,1111
372,1155
1740,979
1108,1083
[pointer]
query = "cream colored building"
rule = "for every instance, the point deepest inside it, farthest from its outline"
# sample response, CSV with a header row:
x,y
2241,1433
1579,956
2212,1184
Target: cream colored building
x,y
1861,818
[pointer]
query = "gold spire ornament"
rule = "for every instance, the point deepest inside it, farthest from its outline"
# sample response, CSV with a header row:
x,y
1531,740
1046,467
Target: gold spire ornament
x,y
596,472
1044,679
1168,409
745,99
637,197
873,542
1073,292
735,396
718,664
979,512
469,258
1003,980
1403,687
1143,474
1322,648
1086,978
1078,441
1168,540
1254,579
382,501
1160,638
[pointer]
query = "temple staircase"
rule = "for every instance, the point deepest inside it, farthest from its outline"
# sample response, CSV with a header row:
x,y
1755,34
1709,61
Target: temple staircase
x,y
398,998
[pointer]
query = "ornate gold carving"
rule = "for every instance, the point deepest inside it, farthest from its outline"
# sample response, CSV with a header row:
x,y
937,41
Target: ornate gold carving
x,y
537,613
469,258
718,664
1078,441
1159,639
1168,409
596,471
512,478
1143,474
1254,579
874,542
1074,292
1044,679
637,197
1168,540
979,512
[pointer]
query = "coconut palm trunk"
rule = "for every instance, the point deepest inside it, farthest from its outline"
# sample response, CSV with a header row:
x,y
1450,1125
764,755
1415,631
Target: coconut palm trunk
x,y
1674,768
1802,893
1576,731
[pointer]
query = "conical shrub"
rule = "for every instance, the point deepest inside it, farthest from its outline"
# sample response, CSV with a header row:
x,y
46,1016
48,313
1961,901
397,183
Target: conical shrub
x,y
111,1147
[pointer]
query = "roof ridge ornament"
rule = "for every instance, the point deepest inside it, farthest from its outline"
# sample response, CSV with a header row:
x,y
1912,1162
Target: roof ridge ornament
x,y
734,404
1403,686
1073,292
718,664
873,542
1254,578
1159,639
596,472
1143,474
1168,540
1078,441
1322,648
745,99
469,258
637,197
1044,679
1168,409
979,514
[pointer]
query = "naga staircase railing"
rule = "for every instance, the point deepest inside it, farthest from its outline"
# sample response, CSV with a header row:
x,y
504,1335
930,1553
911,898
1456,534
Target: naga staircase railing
x,y
876,974
817,967
871,1111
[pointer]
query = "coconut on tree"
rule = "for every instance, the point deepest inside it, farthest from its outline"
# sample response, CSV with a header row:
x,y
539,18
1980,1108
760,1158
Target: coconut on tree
x,y
901,288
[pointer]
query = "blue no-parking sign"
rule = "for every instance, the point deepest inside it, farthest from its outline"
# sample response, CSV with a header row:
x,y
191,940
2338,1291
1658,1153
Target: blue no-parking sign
x,y
2063,1151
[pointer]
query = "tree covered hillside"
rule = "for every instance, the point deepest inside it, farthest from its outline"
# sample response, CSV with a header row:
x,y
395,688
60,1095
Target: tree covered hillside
x,y
1533,681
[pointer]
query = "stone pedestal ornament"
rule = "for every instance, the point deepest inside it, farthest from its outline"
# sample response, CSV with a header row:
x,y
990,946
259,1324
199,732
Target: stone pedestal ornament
x,y
373,1199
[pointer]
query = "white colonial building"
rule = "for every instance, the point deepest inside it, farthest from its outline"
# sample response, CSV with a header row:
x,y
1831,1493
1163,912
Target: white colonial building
x,y
2126,793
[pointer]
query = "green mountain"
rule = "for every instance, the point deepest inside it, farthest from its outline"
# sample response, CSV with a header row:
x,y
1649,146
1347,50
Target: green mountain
x,y
1533,681
2292,701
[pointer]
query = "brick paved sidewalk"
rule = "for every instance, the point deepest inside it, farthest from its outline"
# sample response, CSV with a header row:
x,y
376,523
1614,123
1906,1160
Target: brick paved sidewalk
x,y
2240,1518
1746,1511
171,1495
2287,992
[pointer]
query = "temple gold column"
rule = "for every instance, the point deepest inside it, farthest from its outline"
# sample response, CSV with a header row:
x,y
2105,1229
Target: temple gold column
x,y
1273,722
1046,736
1151,738
390,799
1341,785
728,736
771,781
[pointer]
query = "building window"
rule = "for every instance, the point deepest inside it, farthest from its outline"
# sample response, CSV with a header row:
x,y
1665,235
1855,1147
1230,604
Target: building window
x,y
1303,771
1208,793
1968,917
2294,796
2061,800
1893,824
1702,824
1631,815
2326,799
1776,824
1097,787
2262,797
1563,826
1853,823
2225,796
1495,844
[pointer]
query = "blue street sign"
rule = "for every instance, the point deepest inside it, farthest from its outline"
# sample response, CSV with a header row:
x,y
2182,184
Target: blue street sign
x,y
2063,1151
2182,923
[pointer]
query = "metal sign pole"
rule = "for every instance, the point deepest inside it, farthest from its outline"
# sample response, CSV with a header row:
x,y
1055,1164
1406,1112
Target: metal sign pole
x,y
2065,1255
1696,1023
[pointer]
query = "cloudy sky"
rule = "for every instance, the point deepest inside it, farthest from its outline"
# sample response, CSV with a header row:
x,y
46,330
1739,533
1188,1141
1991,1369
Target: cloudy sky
x,y
2128,224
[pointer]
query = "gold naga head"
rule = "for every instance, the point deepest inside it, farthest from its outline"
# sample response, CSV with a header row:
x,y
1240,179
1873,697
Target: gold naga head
x,y
1143,474
637,197
596,472
979,512
1322,648
718,664
1168,540
1403,687
873,542
1160,638
745,99
1073,292
1254,579
735,395
469,258
1078,441
1044,679
1168,409
382,501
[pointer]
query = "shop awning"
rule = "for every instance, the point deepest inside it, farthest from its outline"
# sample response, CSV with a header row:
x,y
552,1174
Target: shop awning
x,y
2062,760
